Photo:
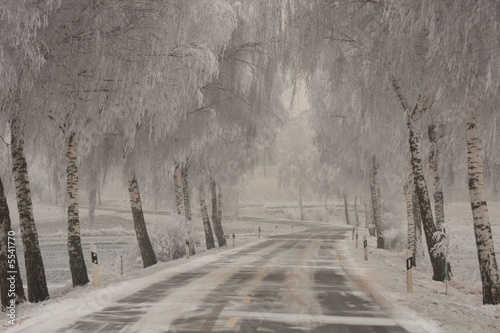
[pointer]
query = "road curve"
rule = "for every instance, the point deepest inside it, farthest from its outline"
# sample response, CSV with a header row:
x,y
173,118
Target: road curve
x,y
286,283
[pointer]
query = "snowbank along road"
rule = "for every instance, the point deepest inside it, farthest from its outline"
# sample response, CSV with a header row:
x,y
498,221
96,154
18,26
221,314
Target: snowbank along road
x,y
285,283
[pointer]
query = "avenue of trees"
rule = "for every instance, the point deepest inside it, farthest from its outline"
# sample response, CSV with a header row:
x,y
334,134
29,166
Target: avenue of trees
x,y
405,90
148,89
193,91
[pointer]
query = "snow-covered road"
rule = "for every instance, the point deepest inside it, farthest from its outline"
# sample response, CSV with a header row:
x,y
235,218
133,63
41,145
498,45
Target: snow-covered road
x,y
286,283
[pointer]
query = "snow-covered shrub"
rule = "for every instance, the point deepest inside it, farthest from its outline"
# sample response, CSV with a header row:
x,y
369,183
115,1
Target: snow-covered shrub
x,y
167,235
315,214
467,280
291,213
394,234
395,239
391,220
168,238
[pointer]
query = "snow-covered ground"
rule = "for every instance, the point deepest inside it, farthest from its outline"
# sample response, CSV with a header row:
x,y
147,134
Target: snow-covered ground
x,y
68,304
114,232
383,276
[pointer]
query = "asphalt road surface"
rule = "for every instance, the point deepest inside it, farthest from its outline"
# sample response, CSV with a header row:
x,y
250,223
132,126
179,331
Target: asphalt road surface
x,y
285,283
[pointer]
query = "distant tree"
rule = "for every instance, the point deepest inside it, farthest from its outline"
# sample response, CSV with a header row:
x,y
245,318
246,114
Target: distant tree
x,y
296,163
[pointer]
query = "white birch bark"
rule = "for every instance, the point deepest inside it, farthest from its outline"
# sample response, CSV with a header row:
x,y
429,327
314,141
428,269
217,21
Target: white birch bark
x,y
346,209
435,133
147,253
217,213
186,191
35,271
356,215
412,118
482,227
209,236
5,260
368,213
179,197
408,191
77,265
376,204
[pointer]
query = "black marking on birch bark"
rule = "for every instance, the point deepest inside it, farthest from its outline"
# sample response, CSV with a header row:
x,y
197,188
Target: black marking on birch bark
x,y
77,264
35,271
209,237
147,253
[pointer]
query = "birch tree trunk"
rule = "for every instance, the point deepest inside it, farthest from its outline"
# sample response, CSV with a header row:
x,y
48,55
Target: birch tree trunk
x,y
147,253
417,218
301,205
92,203
482,227
219,211
408,191
346,210
6,256
99,202
217,214
186,192
209,237
368,214
438,262
376,204
326,207
178,188
435,133
356,215
57,187
49,186
77,265
412,118
35,272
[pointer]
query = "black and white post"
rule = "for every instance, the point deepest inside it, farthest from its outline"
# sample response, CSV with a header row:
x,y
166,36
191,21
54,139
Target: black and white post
x,y
187,248
365,246
409,270
95,265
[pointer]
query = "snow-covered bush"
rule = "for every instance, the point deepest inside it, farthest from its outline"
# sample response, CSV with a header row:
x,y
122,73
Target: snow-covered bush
x,y
394,234
467,280
167,235
168,238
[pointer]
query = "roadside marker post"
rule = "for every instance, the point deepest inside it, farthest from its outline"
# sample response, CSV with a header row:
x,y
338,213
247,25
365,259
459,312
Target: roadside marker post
x,y
95,265
353,232
409,270
357,236
234,240
292,226
259,231
187,248
365,246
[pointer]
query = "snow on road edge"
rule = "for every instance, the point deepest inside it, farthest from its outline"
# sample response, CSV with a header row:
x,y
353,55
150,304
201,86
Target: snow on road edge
x,y
54,313
404,316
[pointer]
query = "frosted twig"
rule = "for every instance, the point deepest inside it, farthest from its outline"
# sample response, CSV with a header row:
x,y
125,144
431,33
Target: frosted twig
x,y
1,137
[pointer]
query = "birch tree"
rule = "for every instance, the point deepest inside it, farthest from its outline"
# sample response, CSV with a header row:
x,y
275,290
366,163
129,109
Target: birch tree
x,y
217,213
8,257
209,237
21,57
